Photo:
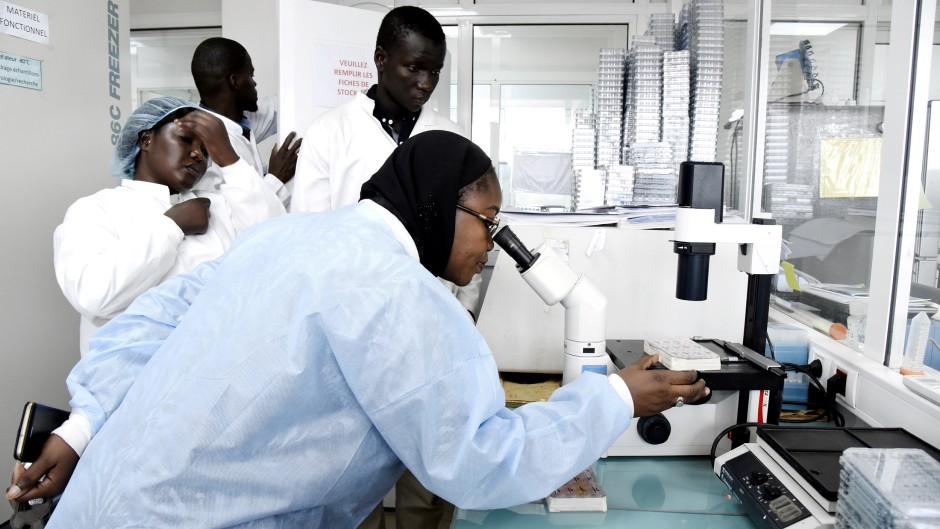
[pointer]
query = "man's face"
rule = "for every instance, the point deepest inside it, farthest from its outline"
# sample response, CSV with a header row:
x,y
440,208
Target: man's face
x,y
472,239
408,73
246,91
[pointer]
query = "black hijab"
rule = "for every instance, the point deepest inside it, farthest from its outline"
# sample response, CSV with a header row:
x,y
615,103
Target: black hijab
x,y
419,184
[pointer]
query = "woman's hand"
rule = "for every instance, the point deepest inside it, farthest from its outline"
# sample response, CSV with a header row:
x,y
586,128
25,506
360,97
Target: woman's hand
x,y
656,390
192,216
211,131
56,462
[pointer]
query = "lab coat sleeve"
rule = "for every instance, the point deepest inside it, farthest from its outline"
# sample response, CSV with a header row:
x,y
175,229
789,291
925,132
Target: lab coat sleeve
x,y
312,179
496,457
444,413
282,190
249,199
103,262
100,380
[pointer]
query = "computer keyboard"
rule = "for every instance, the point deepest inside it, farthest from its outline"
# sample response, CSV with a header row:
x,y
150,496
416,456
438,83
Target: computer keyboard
x,y
684,354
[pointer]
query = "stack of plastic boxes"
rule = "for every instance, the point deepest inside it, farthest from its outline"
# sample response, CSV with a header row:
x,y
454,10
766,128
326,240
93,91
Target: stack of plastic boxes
x,y
587,191
662,27
676,83
706,44
589,187
777,144
790,345
648,89
609,106
655,178
619,185
888,488
629,105
655,181
582,140
791,203
682,28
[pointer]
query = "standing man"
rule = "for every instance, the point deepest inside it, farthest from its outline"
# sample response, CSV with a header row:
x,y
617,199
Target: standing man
x,y
224,76
345,146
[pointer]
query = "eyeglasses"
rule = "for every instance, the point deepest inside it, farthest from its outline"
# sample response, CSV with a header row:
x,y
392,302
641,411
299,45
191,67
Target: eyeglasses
x,y
491,224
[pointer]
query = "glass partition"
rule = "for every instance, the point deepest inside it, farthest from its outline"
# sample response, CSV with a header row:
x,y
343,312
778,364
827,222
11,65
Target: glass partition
x,y
529,82
821,170
160,63
835,174
444,98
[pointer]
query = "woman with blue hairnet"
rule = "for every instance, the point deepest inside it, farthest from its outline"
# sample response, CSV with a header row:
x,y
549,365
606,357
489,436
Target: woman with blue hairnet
x,y
114,245
226,398
117,243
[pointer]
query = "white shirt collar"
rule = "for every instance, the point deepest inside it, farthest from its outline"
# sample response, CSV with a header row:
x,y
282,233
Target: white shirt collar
x,y
232,127
398,229
158,191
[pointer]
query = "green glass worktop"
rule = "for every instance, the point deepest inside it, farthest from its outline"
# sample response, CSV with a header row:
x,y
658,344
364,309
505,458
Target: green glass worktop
x,y
648,492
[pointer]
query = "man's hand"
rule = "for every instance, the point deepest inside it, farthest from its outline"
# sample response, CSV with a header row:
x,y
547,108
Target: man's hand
x,y
192,216
56,461
659,389
283,162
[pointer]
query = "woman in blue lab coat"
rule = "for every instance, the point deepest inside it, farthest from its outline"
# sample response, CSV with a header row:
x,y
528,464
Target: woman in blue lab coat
x,y
296,399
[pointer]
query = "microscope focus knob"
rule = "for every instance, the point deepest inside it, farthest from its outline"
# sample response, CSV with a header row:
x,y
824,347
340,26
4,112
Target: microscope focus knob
x,y
654,429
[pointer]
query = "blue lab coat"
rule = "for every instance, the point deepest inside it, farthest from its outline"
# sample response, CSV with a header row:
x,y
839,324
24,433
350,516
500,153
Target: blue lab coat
x,y
288,383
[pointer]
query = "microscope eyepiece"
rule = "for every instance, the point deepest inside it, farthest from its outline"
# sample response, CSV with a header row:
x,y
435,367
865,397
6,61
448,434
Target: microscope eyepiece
x,y
510,243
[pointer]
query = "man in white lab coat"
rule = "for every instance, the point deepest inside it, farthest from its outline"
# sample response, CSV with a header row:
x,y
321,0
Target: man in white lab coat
x,y
224,76
344,147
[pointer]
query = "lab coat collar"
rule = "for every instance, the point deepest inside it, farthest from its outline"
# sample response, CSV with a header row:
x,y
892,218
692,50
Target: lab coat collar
x,y
398,229
242,129
157,191
384,117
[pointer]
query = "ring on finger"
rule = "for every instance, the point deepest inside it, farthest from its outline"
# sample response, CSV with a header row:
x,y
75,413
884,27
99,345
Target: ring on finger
x,y
679,402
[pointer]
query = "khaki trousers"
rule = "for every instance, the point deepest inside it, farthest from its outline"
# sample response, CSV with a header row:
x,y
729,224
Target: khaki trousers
x,y
415,507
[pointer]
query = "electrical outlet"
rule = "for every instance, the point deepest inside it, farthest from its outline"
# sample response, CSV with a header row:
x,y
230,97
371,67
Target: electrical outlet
x,y
851,379
828,368
832,366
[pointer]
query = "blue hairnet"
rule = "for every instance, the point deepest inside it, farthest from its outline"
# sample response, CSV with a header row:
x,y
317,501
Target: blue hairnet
x,y
144,118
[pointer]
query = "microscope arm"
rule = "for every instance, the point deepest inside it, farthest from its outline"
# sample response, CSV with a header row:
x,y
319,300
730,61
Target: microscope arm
x,y
585,305
585,313
760,242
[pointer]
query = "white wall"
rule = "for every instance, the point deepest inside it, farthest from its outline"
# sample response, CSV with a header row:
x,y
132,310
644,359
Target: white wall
x,y
147,14
54,147
253,23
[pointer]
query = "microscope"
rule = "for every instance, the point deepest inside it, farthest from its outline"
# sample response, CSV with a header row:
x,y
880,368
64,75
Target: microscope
x,y
585,305
748,387
699,226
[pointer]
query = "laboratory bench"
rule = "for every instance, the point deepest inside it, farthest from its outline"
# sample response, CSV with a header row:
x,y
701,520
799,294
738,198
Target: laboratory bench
x,y
648,492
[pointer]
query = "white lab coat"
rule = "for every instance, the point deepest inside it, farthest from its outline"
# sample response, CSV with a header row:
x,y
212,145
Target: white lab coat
x,y
263,125
114,245
233,398
342,149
